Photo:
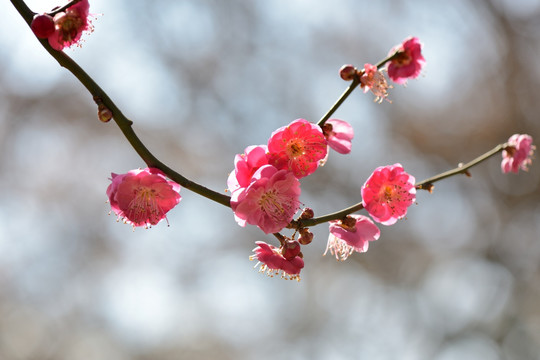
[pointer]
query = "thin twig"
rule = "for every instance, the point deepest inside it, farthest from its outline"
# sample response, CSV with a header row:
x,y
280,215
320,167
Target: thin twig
x,y
122,121
426,184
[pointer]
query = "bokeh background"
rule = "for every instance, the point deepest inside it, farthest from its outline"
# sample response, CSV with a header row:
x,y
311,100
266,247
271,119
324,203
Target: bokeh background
x,y
458,279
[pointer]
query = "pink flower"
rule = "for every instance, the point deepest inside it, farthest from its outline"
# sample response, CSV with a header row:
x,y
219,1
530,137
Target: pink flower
x,y
245,166
338,134
269,202
408,62
518,154
388,193
297,147
374,80
351,235
142,197
273,262
69,25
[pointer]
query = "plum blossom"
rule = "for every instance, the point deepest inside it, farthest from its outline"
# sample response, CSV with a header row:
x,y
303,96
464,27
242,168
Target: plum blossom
x,y
245,166
269,202
338,135
518,154
387,194
297,147
272,262
374,80
352,234
408,61
142,197
69,25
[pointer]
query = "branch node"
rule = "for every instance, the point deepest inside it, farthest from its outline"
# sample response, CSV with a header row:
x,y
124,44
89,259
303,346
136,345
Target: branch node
x,y
426,186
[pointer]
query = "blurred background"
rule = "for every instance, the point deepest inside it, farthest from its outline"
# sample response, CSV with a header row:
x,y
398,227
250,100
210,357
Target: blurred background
x,y
458,279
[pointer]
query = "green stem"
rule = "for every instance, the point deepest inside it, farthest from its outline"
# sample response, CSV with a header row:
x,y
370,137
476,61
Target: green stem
x,y
121,120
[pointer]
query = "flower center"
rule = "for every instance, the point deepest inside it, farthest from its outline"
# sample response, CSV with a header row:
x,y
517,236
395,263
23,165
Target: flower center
x,y
510,150
388,193
404,58
69,24
295,148
271,205
144,207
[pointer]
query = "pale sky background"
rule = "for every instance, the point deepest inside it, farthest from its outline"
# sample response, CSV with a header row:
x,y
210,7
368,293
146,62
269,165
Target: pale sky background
x,y
458,279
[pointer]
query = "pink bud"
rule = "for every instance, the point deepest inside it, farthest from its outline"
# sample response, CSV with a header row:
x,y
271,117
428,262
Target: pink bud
x,y
42,26
347,72
104,113
307,213
290,250
306,236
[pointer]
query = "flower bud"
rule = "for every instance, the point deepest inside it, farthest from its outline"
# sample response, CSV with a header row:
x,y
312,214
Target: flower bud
x,y
347,72
104,113
306,236
307,213
42,26
290,249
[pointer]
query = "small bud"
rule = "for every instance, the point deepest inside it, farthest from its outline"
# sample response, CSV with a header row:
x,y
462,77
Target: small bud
x,y
306,236
104,114
307,213
429,187
347,72
290,249
466,172
42,26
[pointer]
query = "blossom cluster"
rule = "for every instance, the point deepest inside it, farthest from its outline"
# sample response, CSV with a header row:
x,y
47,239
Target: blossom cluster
x,y
265,184
265,187
65,28
405,62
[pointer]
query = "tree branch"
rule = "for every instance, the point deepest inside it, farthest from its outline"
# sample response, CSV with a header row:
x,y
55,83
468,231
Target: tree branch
x,y
121,120
426,184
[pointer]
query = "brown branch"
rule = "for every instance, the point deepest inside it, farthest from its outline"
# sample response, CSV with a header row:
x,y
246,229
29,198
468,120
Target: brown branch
x,y
121,120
